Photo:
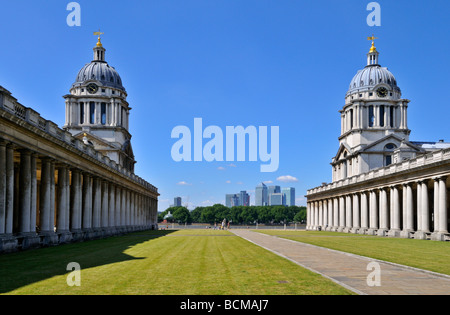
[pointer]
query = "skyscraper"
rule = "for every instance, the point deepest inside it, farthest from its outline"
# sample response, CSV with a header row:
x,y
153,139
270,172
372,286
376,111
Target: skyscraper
x,y
261,195
177,202
289,196
234,200
274,190
276,199
244,198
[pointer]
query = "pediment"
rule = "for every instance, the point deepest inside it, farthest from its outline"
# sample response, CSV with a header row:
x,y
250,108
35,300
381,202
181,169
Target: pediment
x,y
96,142
380,145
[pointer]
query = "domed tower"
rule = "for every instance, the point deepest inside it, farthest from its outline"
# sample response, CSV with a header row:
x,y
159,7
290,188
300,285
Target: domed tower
x,y
97,110
373,121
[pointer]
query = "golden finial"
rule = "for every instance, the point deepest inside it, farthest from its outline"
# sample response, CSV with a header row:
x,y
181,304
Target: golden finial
x,y
99,43
373,48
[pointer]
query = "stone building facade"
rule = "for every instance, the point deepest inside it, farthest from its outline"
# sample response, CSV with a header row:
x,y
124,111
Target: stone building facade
x,y
383,183
57,187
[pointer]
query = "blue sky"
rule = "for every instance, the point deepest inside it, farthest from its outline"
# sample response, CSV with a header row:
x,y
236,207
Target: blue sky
x,y
284,63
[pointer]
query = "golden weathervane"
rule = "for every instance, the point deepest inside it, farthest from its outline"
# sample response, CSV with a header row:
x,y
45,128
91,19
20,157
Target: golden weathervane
x,y
99,43
372,38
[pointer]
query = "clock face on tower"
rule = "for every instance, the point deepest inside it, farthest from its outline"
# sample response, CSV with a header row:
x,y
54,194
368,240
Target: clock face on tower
x,y
382,92
92,88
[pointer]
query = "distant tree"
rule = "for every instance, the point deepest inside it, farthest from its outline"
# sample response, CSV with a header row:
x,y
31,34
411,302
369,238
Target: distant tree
x,y
182,215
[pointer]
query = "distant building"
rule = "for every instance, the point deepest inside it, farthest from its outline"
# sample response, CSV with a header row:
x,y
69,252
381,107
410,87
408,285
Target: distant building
x,y
234,200
289,196
261,195
228,200
244,199
177,202
273,190
276,199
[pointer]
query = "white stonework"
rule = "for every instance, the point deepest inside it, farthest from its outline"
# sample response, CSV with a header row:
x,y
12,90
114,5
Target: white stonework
x,y
59,186
382,182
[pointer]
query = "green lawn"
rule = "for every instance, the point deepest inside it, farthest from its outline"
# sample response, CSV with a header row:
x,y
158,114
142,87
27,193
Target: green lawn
x,y
190,262
428,255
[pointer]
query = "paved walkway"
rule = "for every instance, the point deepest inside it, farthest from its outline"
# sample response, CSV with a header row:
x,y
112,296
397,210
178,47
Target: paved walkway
x,y
351,270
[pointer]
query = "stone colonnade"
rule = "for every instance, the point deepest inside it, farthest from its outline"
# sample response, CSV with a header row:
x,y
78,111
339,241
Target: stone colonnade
x,y
45,202
413,209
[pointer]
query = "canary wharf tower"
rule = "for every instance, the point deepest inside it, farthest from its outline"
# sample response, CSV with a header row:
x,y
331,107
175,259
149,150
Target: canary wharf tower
x,y
97,110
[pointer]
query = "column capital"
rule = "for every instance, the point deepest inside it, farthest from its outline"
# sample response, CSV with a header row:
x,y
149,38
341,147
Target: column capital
x,y
74,169
439,178
25,151
61,165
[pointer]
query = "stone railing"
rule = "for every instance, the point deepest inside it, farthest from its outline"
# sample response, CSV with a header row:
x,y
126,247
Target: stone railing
x,y
416,163
9,104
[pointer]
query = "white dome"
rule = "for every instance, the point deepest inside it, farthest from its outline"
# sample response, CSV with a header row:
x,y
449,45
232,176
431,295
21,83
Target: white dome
x,y
370,77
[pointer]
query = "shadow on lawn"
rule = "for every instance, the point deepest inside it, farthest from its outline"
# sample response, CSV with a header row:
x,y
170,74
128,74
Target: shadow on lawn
x,y
24,268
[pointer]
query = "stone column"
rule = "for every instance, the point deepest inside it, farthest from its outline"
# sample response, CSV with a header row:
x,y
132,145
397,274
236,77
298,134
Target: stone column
x,y
118,209
436,205
46,203
341,214
123,210
308,216
63,217
316,215
395,212
9,211
112,208
419,206
325,214
335,214
373,211
348,214
25,192
330,214
76,205
443,216
423,215
319,211
408,214
96,206
105,205
384,213
2,188
356,214
8,242
87,206
364,214
33,202
441,205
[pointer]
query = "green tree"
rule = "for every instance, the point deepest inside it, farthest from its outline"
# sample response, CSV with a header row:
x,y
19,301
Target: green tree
x,y
182,215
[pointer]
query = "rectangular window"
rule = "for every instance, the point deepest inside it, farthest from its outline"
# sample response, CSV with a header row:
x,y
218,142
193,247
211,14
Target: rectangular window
x,y
103,113
371,117
382,116
92,112
388,160
351,118
392,116
81,113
